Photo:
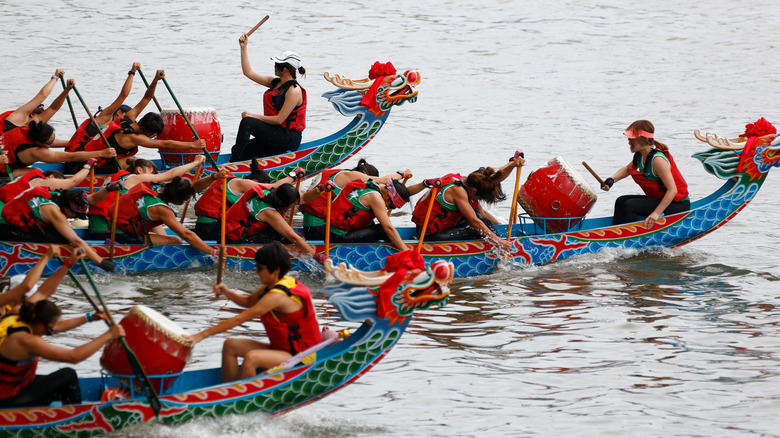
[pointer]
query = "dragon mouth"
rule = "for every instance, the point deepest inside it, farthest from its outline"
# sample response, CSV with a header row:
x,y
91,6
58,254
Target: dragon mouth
x,y
435,291
772,152
406,91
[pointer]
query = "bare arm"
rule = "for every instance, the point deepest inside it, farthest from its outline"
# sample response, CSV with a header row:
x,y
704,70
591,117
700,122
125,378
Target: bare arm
x,y
47,155
621,173
61,184
49,286
107,114
131,140
16,293
377,205
664,171
36,346
52,214
19,116
277,222
263,306
55,106
246,66
458,196
148,96
166,216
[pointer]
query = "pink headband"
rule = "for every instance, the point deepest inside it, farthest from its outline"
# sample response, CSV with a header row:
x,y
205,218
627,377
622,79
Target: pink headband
x,y
639,133
395,198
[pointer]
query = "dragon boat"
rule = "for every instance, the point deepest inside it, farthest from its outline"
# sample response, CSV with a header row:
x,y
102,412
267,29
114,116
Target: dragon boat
x,y
743,166
368,101
384,302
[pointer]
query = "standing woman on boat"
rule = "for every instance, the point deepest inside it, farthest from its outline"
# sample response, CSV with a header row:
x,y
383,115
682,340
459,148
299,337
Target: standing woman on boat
x,y
654,169
278,129
21,343
457,213
284,306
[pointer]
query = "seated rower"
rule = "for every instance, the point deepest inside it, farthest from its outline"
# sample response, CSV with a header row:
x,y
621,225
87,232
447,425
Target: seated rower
x,y
87,131
21,344
144,209
41,215
354,209
125,135
26,145
314,206
258,217
457,213
52,179
284,306
138,171
34,110
208,209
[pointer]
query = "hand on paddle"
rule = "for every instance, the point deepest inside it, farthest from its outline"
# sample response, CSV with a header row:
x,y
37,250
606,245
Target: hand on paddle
x,y
108,153
116,331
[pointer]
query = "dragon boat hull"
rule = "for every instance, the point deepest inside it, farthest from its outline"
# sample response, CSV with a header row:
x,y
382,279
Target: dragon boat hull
x,y
744,172
201,393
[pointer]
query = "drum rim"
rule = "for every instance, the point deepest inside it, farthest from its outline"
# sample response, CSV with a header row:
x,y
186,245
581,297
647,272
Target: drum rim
x,y
140,311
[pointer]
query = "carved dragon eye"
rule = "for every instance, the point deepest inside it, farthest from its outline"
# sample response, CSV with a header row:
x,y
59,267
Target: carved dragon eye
x,y
411,76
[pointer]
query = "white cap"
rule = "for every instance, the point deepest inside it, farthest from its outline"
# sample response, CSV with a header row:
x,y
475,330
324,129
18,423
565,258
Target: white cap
x,y
18,279
288,57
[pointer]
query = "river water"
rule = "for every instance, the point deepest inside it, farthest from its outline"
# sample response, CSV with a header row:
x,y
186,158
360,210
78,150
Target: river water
x,y
673,343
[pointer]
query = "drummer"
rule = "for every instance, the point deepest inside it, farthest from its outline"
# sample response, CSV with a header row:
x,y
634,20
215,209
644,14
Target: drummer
x,y
654,169
22,343
457,213
284,306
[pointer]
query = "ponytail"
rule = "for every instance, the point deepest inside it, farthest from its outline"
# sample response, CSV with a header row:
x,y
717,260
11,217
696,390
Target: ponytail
x,y
487,182
364,167
40,131
282,197
133,164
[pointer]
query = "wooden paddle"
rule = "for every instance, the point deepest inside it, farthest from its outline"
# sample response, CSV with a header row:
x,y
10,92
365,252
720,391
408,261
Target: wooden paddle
x,y
187,204
327,222
221,261
70,105
154,98
601,182
143,381
434,192
94,122
113,227
256,26
298,178
513,208
192,128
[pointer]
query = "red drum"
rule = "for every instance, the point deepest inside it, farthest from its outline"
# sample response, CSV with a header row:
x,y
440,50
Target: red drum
x,y
206,124
556,191
157,343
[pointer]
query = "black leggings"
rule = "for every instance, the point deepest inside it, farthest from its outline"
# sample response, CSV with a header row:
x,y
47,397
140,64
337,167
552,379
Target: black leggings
x,y
371,233
268,140
265,236
47,235
61,385
460,231
629,207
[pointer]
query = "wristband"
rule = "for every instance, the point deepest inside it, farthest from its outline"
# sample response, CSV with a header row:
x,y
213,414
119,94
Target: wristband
x,y
54,76
67,263
87,166
609,182
214,176
88,316
399,172
131,73
214,254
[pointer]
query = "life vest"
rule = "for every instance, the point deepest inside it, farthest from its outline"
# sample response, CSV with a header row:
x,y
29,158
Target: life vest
x,y
319,205
347,216
652,185
15,375
17,186
273,100
121,125
210,202
4,127
442,218
103,207
83,135
129,219
15,141
240,222
297,331
19,213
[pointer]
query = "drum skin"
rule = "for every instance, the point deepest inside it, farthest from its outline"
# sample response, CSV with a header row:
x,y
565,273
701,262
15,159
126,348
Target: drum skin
x,y
556,191
156,341
206,124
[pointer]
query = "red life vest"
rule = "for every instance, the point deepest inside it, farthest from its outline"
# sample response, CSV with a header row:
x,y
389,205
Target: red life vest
x,y
239,221
210,202
441,218
297,118
103,207
18,212
13,189
81,137
344,215
318,205
129,219
297,331
15,141
652,185
2,121
15,375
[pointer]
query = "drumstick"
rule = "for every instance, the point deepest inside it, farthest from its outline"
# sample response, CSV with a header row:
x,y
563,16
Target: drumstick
x,y
601,182
256,26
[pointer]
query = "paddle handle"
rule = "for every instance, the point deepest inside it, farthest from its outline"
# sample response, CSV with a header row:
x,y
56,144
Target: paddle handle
x,y
434,192
257,26
113,227
70,104
601,181
513,207
154,98
94,122
292,207
221,261
327,223
7,166
187,204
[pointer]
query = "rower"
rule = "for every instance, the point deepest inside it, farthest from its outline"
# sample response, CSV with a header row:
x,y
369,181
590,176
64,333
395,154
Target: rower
x,y
284,306
41,215
52,179
34,110
21,344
